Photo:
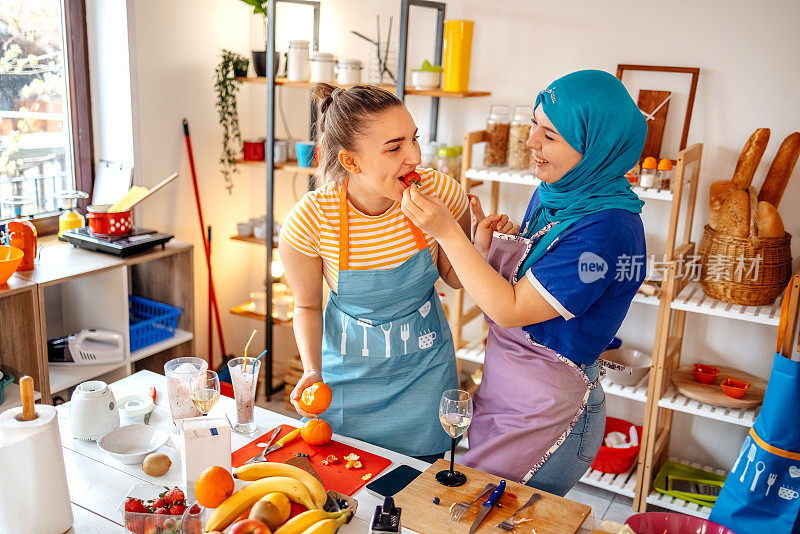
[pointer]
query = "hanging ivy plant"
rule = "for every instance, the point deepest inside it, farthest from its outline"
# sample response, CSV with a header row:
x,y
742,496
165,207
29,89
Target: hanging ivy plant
x,y
227,87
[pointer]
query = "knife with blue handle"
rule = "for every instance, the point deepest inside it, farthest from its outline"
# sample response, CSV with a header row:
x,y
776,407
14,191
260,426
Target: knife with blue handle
x,y
487,505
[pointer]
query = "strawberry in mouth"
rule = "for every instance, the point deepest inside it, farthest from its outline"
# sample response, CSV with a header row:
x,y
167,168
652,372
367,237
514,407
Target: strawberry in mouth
x,y
411,178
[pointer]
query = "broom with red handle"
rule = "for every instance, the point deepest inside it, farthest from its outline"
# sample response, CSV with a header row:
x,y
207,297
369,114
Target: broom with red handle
x,y
206,247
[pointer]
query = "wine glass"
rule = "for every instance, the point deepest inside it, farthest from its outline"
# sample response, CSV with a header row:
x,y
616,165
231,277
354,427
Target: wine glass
x,y
455,414
205,391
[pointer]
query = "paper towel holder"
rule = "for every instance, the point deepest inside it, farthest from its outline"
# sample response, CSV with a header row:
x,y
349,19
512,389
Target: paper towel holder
x,y
26,393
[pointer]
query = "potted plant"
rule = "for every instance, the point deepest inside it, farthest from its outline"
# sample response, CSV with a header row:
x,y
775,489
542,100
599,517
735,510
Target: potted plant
x,y
226,87
260,56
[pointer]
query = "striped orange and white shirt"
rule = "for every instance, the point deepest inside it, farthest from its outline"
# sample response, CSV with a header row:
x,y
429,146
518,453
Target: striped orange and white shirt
x,y
376,242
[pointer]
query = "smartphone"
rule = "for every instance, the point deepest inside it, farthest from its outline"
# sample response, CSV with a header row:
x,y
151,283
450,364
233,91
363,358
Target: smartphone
x,y
392,482
690,486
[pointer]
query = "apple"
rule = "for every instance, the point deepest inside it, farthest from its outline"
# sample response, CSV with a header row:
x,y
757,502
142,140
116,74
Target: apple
x,y
249,526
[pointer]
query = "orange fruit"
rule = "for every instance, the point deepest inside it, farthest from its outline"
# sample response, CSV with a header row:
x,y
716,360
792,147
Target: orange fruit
x,y
650,163
316,398
213,486
316,432
665,165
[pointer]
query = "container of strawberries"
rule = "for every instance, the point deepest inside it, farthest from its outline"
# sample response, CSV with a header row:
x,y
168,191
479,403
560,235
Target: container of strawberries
x,y
152,509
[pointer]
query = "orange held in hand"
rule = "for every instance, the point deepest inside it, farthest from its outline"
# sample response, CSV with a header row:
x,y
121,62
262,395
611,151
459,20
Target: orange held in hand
x,y
213,486
316,432
316,398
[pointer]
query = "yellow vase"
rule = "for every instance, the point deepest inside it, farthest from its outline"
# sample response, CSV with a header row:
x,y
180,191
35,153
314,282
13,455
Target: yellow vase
x,y
457,54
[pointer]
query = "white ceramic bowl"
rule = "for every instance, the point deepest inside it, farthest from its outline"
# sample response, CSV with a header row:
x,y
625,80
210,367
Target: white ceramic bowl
x,y
636,365
130,444
425,79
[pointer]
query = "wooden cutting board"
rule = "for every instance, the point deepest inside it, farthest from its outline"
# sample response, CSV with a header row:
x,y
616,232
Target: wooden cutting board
x,y
334,476
551,515
683,380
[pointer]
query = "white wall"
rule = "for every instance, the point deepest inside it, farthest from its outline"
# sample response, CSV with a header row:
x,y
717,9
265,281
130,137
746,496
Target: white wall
x,y
749,78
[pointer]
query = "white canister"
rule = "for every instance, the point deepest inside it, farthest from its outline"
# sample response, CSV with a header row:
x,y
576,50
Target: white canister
x,y
281,151
297,69
323,66
348,71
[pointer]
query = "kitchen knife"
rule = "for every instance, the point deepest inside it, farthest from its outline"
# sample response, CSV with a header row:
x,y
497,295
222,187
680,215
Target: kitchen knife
x,y
261,456
487,505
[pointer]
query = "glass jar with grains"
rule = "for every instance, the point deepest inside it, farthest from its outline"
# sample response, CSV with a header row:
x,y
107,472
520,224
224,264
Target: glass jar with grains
x,y
497,130
518,152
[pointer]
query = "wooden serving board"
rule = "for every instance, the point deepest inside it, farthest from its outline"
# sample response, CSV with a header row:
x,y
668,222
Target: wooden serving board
x,y
683,380
551,515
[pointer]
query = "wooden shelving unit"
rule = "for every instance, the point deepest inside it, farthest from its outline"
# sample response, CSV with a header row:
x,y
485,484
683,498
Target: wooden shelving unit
x,y
683,297
246,309
71,289
681,196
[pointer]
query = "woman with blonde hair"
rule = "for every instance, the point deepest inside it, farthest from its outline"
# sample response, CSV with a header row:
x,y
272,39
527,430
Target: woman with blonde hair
x,y
382,342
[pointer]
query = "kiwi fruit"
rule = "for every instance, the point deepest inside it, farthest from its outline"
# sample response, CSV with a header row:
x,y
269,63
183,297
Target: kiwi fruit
x,y
156,464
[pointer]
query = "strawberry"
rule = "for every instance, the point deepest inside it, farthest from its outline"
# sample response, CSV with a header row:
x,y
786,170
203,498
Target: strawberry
x,y
195,509
134,505
411,178
174,495
161,502
177,509
161,511
135,524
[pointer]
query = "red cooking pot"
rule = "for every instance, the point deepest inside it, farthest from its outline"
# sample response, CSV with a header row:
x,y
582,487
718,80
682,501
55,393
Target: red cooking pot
x,y
104,223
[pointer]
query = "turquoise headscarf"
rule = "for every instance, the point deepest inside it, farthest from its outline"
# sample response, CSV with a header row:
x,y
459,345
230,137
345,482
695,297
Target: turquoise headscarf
x,y
594,113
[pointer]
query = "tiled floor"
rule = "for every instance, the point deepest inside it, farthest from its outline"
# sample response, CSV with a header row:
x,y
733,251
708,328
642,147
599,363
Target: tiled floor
x,y
605,505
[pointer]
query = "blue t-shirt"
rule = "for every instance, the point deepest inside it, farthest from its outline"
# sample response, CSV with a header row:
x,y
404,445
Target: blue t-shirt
x,y
589,275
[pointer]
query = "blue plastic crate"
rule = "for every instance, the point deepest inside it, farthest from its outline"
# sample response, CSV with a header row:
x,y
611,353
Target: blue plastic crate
x,y
150,321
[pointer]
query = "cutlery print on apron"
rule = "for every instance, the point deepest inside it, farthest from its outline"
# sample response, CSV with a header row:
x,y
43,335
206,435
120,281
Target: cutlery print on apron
x,y
787,490
391,338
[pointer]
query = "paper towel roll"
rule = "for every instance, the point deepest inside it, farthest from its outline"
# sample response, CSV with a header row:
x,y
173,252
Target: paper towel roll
x,y
33,481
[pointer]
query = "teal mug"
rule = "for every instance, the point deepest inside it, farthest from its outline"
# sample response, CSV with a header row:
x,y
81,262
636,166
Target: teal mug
x,y
305,154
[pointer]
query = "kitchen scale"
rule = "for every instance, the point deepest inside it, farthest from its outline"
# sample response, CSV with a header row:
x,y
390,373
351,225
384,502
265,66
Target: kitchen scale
x,y
138,240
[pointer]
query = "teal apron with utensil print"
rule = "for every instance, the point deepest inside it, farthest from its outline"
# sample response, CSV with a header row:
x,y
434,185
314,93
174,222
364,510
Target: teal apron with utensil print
x,y
387,351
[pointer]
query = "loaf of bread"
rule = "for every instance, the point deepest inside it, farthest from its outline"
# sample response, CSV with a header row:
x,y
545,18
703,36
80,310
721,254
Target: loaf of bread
x,y
780,170
769,221
734,216
717,194
750,158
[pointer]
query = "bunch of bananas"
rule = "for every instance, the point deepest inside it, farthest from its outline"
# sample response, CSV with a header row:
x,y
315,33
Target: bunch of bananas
x,y
298,485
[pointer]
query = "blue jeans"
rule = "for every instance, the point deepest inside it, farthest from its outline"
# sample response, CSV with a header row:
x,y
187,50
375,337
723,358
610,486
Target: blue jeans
x,y
565,467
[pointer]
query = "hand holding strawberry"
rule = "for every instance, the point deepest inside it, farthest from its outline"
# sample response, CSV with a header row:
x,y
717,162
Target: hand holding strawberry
x,y
411,178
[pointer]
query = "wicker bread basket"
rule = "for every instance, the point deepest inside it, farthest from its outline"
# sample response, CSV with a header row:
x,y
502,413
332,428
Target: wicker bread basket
x,y
750,271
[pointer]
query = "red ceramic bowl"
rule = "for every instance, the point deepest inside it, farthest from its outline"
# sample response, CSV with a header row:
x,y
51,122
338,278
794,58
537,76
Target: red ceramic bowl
x,y
611,459
735,389
661,522
705,374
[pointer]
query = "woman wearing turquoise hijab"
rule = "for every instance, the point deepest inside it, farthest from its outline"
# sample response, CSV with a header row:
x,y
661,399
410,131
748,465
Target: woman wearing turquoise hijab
x,y
555,293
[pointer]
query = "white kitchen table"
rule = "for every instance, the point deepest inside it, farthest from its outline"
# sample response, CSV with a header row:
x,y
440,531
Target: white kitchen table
x,y
98,484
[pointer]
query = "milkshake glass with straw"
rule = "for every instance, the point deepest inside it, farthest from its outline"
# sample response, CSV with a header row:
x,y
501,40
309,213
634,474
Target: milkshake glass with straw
x,y
245,381
181,374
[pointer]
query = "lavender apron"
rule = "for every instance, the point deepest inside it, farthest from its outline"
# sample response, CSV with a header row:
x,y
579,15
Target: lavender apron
x,y
530,397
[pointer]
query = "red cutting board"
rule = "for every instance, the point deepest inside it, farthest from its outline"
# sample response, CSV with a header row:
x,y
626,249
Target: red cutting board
x,y
334,476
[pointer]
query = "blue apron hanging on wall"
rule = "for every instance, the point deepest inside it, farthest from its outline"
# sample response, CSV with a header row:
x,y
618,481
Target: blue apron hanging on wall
x,y
762,492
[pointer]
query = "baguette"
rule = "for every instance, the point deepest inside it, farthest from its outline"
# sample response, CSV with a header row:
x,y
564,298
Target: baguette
x,y
734,217
780,170
750,158
769,221
717,194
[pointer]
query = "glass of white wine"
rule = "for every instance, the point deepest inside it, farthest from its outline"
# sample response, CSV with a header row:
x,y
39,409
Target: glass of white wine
x,y
205,391
455,414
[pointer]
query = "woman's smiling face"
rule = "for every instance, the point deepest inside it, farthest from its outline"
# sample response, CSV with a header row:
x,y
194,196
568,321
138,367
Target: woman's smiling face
x,y
389,150
553,156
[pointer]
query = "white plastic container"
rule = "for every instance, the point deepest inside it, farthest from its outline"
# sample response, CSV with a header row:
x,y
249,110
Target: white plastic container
x,y
281,151
323,68
297,67
348,71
